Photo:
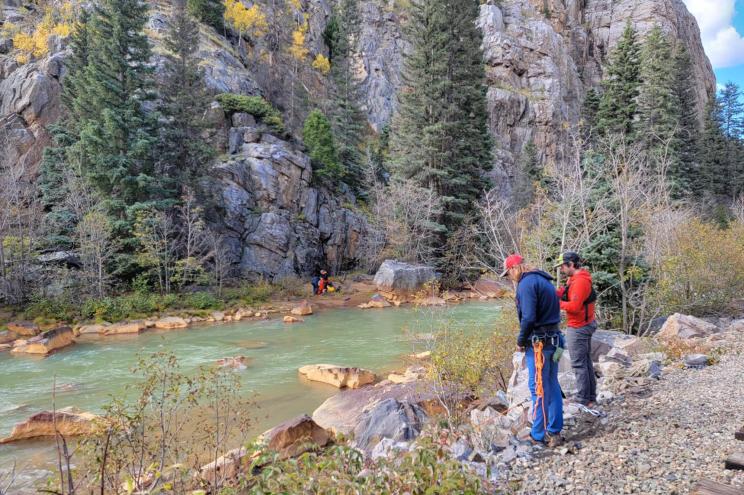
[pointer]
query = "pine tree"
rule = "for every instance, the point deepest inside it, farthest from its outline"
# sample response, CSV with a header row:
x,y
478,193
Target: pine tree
x,y
346,117
118,139
439,136
685,174
589,111
318,138
713,152
618,107
210,12
657,112
183,152
732,126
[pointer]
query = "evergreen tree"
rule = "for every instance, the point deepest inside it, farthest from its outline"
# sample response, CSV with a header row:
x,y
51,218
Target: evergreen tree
x,y
183,152
118,138
685,174
210,12
347,119
657,112
732,126
713,151
318,138
439,135
618,107
589,111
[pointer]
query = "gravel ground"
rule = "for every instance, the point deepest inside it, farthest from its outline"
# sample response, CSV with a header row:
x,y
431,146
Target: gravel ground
x,y
659,439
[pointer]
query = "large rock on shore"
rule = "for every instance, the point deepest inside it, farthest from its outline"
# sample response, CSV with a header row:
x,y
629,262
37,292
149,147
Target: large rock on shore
x,y
7,337
171,322
295,436
342,413
402,281
24,328
338,376
68,422
604,340
396,420
47,342
125,327
679,326
225,467
303,309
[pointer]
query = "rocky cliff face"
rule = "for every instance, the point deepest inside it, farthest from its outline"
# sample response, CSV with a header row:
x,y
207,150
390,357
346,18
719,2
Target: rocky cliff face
x,y
276,222
541,57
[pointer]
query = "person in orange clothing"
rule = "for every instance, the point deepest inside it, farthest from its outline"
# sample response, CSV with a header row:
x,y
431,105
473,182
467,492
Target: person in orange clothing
x,y
577,299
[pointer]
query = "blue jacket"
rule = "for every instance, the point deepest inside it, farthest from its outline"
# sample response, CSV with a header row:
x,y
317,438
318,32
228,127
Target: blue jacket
x,y
537,304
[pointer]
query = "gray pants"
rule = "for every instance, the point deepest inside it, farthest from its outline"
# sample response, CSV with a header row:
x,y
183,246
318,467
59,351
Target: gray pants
x,y
579,342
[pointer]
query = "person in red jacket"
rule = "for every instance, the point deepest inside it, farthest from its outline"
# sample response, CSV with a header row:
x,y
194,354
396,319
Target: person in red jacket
x,y
577,300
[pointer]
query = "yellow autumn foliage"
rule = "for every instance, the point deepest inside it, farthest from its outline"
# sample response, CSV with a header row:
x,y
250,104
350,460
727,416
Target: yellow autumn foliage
x,y
298,50
322,64
297,4
36,44
246,20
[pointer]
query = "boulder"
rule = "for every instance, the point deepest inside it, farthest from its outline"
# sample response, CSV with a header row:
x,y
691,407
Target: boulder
x,y
69,422
617,355
295,436
5,347
491,288
604,340
24,328
242,313
304,309
125,327
387,448
235,362
696,360
341,413
679,326
421,356
170,322
292,319
47,342
411,374
376,301
338,376
7,337
95,328
217,315
403,281
225,467
399,421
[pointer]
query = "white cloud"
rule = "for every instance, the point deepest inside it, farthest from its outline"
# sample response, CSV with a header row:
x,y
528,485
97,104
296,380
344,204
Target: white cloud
x,y
723,45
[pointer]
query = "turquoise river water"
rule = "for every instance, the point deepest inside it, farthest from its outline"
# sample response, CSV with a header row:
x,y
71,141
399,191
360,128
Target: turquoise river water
x,y
91,371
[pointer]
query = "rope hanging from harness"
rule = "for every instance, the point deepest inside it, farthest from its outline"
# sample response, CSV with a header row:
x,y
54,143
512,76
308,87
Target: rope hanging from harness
x,y
537,348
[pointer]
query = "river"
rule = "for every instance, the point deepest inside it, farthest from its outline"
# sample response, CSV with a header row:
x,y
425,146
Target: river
x,y
95,368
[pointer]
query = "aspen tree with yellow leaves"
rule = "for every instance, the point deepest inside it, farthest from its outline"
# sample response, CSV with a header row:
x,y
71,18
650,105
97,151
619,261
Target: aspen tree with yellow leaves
x,y
251,21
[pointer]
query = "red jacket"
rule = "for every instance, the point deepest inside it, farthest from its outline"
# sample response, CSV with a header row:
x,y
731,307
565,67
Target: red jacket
x,y
579,288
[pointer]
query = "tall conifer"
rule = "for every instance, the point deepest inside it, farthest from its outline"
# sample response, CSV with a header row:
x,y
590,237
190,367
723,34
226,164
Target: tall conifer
x,y
439,136
618,107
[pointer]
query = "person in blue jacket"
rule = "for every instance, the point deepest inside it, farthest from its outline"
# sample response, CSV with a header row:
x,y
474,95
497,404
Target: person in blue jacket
x,y
538,309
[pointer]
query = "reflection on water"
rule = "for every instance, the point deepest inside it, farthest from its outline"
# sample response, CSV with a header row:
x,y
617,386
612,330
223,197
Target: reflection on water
x,y
94,369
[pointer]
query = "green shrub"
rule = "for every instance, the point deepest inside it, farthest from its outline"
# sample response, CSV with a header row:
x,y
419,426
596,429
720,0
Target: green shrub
x,y
426,470
49,309
201,300
254,105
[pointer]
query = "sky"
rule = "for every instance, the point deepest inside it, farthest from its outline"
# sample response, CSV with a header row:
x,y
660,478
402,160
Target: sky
x,y
722,29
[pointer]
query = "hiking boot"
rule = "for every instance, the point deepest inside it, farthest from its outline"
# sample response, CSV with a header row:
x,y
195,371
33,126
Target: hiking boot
x,y
553,441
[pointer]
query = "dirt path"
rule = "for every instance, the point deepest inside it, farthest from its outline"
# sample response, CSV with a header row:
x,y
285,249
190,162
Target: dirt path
x,y
661,442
